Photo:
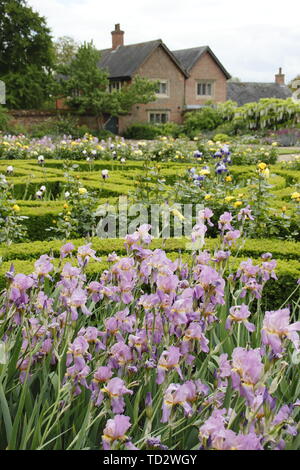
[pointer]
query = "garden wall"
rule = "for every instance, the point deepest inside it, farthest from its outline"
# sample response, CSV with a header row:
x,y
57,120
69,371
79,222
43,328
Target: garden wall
x,y
29,118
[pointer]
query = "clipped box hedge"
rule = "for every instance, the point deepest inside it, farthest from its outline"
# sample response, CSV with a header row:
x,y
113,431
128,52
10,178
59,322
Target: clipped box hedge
x,y
274,295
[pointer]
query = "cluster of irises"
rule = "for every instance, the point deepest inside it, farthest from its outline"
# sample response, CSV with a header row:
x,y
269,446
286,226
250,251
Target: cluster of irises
x,y
187,339
223,157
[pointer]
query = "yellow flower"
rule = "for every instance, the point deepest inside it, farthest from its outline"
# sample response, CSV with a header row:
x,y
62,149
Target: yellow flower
x,y
207,197
228,198
66,206
283,209
82,191
16,208
237,203
274,144
296,196
205,171
262,166
228,178
178,214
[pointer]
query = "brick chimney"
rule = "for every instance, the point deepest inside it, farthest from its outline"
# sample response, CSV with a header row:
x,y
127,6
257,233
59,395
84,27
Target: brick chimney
x,y
279,77
117,37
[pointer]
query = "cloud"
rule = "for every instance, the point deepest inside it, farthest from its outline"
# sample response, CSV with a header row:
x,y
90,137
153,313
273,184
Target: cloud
x,y
251,39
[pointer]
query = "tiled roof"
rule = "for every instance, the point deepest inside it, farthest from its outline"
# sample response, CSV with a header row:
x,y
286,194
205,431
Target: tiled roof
x,y
125,60
189,57
249,92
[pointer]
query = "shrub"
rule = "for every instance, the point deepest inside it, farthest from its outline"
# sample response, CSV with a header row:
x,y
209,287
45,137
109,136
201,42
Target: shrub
x,y
142,131
206,119
221,138
3,118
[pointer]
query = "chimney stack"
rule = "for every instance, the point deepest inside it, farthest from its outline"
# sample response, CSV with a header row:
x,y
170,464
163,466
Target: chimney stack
x,y
117,37
279,77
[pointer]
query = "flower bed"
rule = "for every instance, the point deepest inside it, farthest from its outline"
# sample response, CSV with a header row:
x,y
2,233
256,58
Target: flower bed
x,y
154,353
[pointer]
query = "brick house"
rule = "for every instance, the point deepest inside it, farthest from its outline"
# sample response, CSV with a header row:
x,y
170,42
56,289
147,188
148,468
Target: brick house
x,y
187,78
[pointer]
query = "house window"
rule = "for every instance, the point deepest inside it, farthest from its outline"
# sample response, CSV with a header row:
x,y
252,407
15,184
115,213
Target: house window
x,y
115,85
158,117
162,90
204,88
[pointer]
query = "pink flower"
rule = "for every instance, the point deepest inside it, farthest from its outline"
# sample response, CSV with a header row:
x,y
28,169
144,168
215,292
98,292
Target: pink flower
x,y
240,314
168,360
115,430
276,328
116,388
246,371
66,249
224,222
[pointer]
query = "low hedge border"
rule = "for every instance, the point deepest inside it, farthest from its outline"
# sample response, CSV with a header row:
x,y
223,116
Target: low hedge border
x,y
287,250
274,295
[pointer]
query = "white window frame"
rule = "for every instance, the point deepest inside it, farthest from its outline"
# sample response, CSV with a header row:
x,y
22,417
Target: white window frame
x,y
158,112
165,82
205,82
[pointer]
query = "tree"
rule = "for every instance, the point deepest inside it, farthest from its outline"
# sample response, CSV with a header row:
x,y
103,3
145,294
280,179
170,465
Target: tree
x,y
65,50
234,80
86,87
26,55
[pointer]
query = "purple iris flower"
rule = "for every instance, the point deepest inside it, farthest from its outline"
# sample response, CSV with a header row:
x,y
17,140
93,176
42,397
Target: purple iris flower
x,y
115,430
277,327
168,360
239,314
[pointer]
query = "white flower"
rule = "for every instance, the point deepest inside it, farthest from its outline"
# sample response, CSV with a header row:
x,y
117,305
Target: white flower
x,y
67,194
39,194
10,169
123,160
84,152
41,158
43,188
104,174
94,152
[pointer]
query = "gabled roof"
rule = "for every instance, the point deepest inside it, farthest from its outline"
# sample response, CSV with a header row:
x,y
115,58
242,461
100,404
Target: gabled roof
x,y
189,57
249,92
124,61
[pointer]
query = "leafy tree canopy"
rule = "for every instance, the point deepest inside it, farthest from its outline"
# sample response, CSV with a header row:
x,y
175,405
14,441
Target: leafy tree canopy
x,y
86,87
26,54
65,50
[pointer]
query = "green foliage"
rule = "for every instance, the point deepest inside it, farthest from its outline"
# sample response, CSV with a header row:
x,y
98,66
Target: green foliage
x,y
78,216
3,118
228,118
221,138
206,119
268,113
26,55
63,125
11,222
85,87
148,131
142,131
65,49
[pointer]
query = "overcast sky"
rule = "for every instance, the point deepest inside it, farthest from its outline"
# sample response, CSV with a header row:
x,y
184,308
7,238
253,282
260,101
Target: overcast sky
x,y
252,39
